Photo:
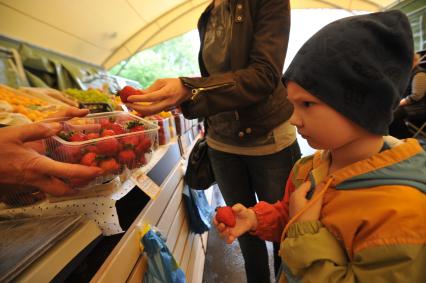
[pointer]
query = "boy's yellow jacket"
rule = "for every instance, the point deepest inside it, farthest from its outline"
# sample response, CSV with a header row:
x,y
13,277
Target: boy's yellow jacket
x,y
373,219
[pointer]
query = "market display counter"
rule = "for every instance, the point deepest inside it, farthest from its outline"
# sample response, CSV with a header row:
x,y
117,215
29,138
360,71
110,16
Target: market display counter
x,y
118,258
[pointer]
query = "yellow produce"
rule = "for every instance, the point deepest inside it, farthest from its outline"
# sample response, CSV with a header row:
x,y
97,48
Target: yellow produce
x,y
165,114
23,104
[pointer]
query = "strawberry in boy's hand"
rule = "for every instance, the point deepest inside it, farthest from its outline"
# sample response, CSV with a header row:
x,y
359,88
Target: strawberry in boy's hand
x,y
128,91
225,215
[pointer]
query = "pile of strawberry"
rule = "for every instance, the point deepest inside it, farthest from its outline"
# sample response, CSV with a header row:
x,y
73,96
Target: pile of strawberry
x,y
110,154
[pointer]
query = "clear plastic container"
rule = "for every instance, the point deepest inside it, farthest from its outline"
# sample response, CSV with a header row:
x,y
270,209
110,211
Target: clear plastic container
x,y
164,131
179,123
112,141
172,126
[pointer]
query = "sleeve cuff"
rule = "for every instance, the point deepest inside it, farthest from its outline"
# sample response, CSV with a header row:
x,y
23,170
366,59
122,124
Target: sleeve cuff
x,y
301,228
269,222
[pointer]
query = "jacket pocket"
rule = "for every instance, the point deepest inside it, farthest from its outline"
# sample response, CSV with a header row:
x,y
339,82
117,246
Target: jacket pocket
x,y
224,124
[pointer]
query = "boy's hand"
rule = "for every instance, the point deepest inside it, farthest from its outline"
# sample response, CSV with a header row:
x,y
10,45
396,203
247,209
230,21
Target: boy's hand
x,y
245,221
298,201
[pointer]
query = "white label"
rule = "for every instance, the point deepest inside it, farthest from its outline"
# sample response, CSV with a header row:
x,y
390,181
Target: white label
x,y
146,184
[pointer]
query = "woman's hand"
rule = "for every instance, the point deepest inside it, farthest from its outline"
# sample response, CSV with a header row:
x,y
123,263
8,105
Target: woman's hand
x,y
298,201
245,221
163,93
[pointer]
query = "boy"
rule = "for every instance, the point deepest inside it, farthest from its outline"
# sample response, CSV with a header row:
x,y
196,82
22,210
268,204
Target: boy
x,y
355,211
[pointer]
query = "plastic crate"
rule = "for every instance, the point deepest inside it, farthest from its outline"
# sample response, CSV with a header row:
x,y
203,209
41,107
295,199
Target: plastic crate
x,y
107,140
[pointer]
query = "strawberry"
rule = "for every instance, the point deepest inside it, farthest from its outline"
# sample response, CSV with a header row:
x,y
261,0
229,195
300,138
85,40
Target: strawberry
x,y
91,148
116,128
67,153
92,136
77,137
144,145
107,133
225,215
131,141
89,159
109,165
138,128
108,147
104,122
120,147
128,91
65,136
128,158
135,126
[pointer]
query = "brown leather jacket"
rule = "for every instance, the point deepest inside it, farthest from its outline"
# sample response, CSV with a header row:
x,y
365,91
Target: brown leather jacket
x,y
250,100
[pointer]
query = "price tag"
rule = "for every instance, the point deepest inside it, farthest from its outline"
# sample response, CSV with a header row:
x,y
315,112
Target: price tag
x,y
146,184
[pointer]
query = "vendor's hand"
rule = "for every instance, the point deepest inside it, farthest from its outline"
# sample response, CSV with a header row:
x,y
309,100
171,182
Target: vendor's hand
x,y
245,221
68,112
298,201
163,93
23,166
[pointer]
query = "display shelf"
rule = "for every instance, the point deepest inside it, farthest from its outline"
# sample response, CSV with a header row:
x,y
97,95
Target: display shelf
x,y
52,265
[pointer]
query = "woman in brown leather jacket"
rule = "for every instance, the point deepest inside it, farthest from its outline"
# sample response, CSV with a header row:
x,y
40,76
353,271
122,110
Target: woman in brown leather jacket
x,y
252,146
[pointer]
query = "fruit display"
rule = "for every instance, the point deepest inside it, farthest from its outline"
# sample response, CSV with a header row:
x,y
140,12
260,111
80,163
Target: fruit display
x,y
179,123
164,128
225,215
91,96
33,108
112,141
50,95
172,124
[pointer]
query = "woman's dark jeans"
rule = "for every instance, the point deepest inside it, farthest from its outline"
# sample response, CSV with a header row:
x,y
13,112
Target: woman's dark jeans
x,y
240,179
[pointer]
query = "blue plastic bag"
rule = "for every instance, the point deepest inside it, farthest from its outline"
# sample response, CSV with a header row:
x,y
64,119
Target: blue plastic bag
x,y
198,210
162,267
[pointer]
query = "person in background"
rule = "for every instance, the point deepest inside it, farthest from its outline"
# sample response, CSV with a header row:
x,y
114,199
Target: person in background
x,y
24,166
413,106
354,211
252,146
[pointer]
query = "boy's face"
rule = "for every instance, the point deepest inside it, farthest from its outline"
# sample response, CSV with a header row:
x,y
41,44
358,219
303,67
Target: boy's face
x,y
322,126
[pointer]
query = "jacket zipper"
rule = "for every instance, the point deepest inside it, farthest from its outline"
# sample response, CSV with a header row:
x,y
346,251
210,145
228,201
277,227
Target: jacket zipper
x,y
196,91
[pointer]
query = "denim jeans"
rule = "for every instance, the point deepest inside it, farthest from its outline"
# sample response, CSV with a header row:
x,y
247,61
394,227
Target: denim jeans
x,y
240,179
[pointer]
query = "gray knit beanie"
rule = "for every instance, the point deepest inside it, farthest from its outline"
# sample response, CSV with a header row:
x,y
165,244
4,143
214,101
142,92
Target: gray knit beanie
x,y
359,65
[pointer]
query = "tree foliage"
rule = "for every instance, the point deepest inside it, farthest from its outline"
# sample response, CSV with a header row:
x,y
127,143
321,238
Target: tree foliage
x,y
170,59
